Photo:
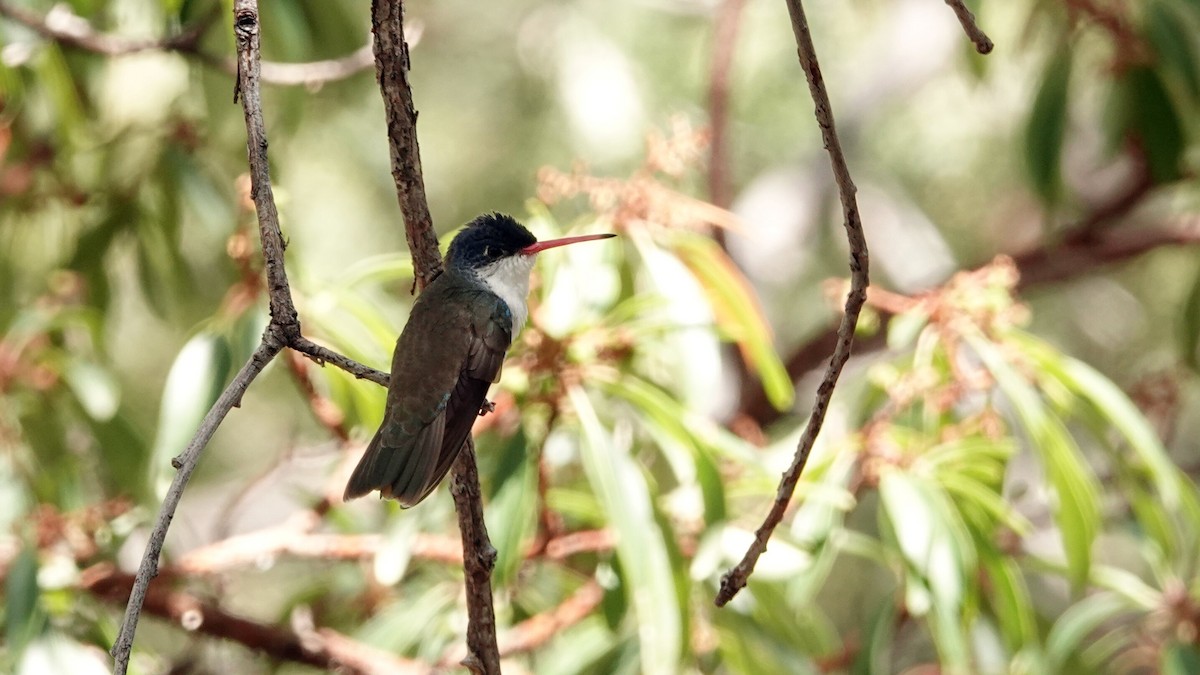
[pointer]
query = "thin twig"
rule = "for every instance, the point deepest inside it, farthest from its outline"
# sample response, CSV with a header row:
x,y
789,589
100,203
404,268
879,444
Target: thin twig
x,y
735,579
322,648
983,44
71,30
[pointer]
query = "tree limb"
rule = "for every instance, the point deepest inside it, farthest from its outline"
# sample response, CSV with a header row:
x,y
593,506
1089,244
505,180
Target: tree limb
x,y
735,579
322,648
71,30
479,557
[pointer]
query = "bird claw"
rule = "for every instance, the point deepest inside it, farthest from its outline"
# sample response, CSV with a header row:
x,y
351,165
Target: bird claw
x,y
487,407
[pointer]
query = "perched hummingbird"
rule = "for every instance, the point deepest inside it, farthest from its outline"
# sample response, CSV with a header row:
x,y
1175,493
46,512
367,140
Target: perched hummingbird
x,y
447,356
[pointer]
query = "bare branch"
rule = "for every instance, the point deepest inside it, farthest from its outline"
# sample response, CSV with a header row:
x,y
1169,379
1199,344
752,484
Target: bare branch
x,y
71,30
322,356
735,579
252,548
983,44
322,648
391,67
185,463
479,557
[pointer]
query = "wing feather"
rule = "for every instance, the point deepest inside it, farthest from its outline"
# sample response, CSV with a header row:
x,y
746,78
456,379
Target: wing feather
x,y
433,401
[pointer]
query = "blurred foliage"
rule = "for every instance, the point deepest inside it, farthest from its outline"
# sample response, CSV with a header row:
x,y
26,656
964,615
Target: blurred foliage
x,y
1007,487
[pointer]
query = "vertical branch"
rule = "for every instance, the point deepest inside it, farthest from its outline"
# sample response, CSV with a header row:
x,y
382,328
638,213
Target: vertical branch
x,y
725,30
391,67
735,579
249,73
479,557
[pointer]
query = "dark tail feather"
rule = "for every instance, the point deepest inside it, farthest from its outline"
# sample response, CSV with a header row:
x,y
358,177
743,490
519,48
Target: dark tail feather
x,y
364,478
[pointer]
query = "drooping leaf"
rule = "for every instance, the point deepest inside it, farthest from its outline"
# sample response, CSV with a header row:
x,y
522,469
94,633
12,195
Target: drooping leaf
x,y
1168,33
738,314
193,385
640,547
1189,327
1075,624
1077,510
1150,115
1047,126
22,618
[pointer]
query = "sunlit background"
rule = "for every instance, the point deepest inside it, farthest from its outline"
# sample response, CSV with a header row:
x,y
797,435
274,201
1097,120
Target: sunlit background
x,y
1005,482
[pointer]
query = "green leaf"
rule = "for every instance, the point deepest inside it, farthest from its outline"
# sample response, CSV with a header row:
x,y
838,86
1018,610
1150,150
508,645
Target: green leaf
x,y
1189,327
1077,623
938,550
94,387
661,412
22,618
1151,116
512,507
640,546
1173,42
193,384
1077,511
1010,599
738,314
1180,659
1047,127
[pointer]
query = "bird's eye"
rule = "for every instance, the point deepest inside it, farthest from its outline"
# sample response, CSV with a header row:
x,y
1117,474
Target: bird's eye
x,y
487,251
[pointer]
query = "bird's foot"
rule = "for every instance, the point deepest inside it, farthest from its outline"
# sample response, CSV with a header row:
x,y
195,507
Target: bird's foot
x,y
487,407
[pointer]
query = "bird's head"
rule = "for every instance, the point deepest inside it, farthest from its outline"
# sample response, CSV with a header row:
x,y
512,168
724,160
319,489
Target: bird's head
x,y
494,242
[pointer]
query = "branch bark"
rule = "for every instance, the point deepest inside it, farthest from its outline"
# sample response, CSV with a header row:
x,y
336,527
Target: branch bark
x,y
735,579
983,44
479,557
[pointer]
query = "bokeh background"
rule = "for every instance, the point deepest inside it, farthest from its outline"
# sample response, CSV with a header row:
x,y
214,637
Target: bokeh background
x,y
1005,483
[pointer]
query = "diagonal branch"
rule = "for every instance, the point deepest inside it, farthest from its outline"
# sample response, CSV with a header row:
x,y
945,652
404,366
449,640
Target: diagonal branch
x,y
983,44
185,464
735,579
479,557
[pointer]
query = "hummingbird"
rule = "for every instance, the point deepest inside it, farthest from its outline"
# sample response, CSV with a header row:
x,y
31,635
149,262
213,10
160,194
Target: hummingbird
x,y
449,353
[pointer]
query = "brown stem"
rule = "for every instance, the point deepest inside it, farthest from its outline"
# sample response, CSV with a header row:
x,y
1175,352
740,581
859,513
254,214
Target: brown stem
x,y
391,68
983,44
479,557
322,648
736,578
725,31
1088,242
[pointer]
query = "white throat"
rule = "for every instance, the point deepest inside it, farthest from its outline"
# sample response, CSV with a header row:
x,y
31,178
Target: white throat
x,y
509,279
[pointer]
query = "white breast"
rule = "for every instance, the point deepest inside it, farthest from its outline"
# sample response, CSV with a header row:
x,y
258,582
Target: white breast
x,y
509,279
